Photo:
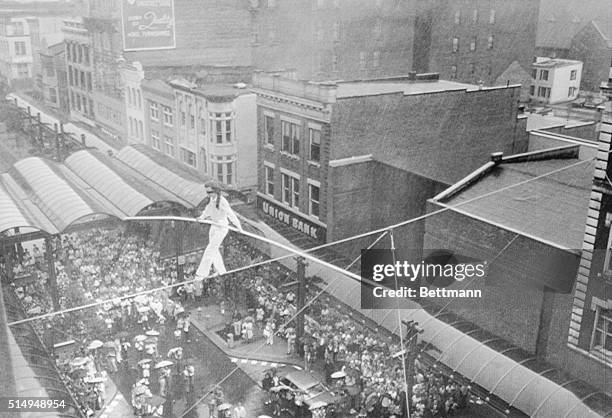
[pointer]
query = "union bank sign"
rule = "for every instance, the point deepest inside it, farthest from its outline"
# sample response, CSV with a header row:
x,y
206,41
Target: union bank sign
x,y
289,218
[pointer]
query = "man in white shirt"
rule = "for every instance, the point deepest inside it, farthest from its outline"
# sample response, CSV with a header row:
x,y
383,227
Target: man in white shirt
x,y
220,212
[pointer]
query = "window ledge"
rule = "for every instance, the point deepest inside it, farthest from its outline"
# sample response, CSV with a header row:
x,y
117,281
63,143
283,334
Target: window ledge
x,y
269,147
314,163
292,156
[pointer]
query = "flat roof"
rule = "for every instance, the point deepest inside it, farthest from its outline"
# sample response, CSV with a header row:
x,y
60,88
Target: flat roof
x,y
555,63
551,208
372,88
536,121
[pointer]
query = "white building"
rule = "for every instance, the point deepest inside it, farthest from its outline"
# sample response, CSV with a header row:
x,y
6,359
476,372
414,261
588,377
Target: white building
x,y
132,76
16,57
555,80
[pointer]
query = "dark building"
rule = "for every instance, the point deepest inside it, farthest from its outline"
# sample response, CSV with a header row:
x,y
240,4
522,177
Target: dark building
x,y
80,68
590,325
334,39
338,159
54,78
593,46
474,40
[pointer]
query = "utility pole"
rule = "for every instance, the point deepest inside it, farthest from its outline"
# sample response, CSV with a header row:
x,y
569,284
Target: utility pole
x,y
301,298
57,143
410,343
51,271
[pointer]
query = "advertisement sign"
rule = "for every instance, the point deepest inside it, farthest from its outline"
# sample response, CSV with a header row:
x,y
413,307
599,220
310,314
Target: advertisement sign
x,y
148,24
296,222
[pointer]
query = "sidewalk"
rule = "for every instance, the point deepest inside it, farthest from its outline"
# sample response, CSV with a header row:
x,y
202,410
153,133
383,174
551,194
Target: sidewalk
x,y
116,405
209,320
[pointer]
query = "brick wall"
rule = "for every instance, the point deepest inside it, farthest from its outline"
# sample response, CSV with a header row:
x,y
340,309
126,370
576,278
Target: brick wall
x,y
513,31
518,270
442,136
208,32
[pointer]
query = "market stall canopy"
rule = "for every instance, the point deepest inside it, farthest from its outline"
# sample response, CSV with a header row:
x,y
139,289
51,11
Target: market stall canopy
x,y
42,195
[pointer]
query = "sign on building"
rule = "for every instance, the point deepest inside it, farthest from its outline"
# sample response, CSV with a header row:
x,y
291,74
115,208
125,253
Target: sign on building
x,y
288,218
148,24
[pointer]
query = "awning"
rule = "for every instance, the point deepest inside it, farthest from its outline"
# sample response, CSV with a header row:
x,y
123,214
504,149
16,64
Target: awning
x,y
43,195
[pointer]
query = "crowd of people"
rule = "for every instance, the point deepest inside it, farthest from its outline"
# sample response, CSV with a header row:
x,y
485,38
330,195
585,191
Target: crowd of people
x,y
105,264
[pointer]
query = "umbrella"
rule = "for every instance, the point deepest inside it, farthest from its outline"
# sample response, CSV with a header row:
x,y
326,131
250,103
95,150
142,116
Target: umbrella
x,y
78,361
94,380
140,389
142,309
152,333
95,344
317,405
174,350
338,375
224,406
163,363
109,344
140,338
144,361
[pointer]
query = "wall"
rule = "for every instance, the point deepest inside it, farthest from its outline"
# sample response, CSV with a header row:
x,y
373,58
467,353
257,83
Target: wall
x,y
516,275
442,136
246,137
595,53
514,32
561,83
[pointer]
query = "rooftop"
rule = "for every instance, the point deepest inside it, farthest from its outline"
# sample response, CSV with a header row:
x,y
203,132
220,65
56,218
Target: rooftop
x,y
552,208
374,87
554,62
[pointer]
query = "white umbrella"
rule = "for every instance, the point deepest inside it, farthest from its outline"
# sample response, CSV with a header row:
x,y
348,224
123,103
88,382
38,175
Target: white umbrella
x,y
152,333
163,363
338,375
224,406
317,405
95,344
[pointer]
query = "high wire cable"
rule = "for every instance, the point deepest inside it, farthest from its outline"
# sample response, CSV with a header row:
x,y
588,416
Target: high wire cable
x,y
302,252
281,328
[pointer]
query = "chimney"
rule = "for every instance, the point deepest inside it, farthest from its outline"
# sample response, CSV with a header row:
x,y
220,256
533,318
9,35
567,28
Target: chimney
x,y
412,75
496,157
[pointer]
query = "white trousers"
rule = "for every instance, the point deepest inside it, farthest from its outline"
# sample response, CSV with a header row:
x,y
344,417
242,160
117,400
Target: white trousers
x,y
212,254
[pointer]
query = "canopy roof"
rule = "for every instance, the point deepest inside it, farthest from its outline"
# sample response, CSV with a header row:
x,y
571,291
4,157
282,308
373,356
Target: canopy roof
x,y
50,197
503,370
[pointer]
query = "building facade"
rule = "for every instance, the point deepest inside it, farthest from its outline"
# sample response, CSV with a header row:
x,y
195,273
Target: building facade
x,y
132,76
159,116
476,40
79,67
337,159
54,78
590,328
16,56
334,39
555,80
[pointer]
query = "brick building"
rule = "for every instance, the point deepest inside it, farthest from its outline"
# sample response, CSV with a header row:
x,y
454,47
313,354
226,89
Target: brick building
x,y
211,128
590,325
334,39
54,78
337,159
474,40
524,215
79,66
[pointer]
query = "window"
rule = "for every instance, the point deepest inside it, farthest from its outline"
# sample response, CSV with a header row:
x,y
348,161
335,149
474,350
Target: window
x,y
155,143
573,74
473,44
453,72
68,52
70,80
140,130
291,137
154,111
269,130
291,190
531,90
23,71
492,17
544,75
475,16
544,92
472,68
336,31
313,196
169,146
91,107
229,168
571,92
534,73
376,59
490,42
455,44
20,48
457,17
220,172
269,172
52,95
89,84
139,99
168,117
86,54
83,84
334,62
601,338
315,145
362,60
188,157
221,127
